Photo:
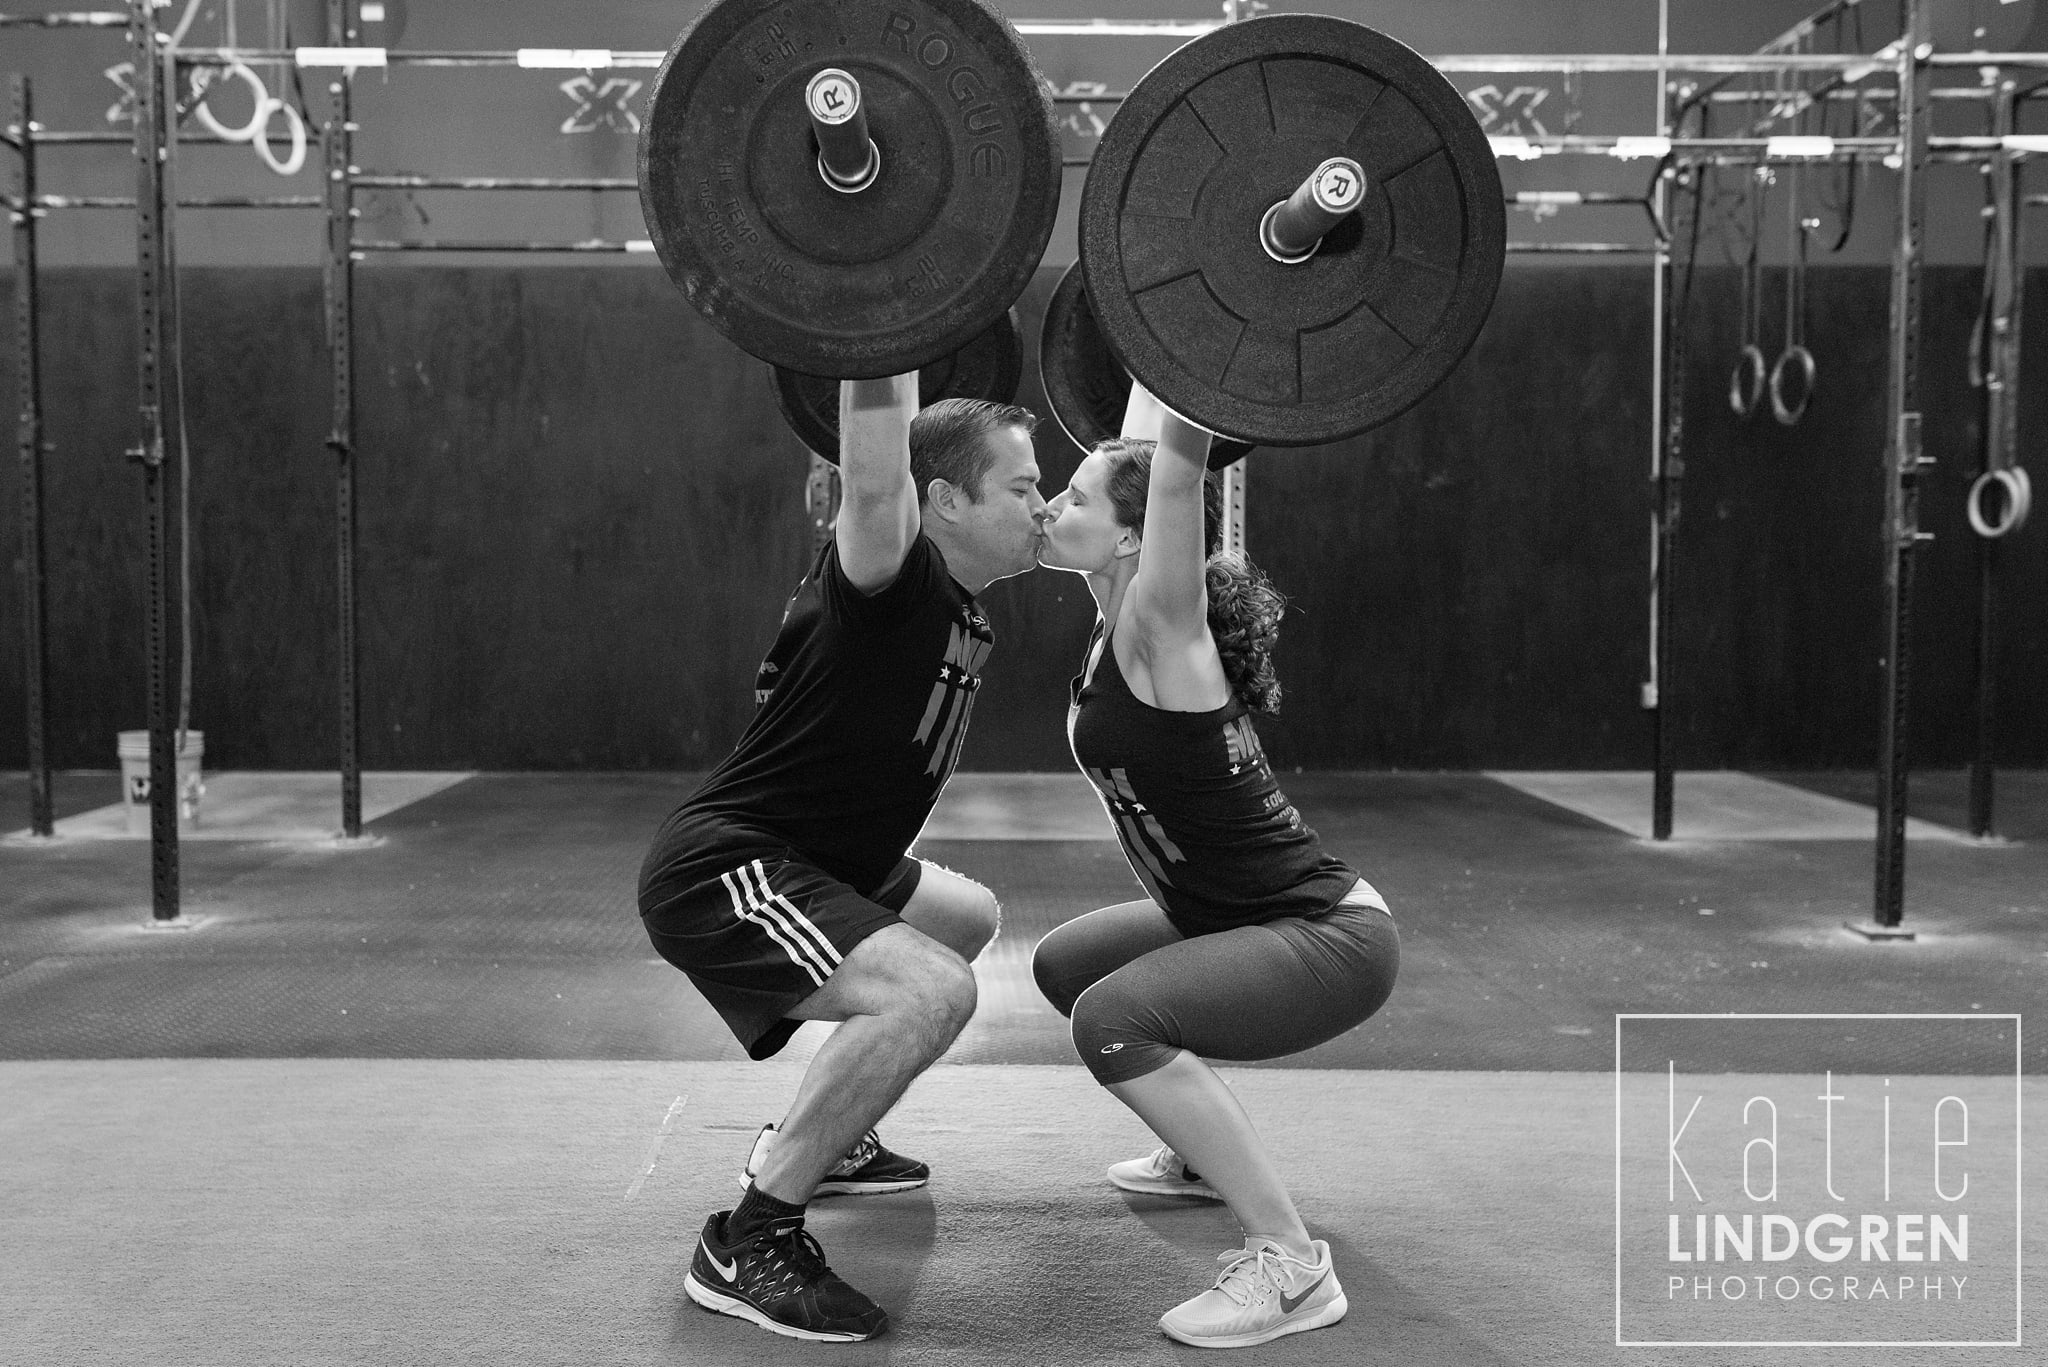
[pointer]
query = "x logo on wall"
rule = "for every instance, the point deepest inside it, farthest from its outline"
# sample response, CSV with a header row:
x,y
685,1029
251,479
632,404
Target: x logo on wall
x,y
123,109
1511,114
601,106
1084,122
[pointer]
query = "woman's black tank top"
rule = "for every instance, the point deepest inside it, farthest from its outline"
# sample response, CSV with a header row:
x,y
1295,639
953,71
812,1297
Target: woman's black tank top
x,y
1203,823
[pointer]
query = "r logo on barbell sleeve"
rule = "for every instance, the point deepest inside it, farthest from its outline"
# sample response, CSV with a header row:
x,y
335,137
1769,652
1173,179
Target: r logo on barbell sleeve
x,y
1337,188
832,100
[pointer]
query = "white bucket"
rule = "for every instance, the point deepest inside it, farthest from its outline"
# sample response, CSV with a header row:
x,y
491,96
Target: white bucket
x,y
135,779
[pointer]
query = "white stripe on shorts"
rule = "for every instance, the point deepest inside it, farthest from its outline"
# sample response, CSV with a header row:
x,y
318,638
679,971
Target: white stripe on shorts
x,y
744,907
831,950
800,927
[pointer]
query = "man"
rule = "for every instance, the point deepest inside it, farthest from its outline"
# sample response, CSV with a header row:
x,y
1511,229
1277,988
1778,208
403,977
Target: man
x,y
782,886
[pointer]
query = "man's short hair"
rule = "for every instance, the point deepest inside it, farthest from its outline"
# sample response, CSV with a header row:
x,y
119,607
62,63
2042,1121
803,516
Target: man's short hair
x,y
946,442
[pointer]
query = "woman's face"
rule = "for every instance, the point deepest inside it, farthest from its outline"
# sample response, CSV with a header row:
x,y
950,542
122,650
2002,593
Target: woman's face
x,y
1081,530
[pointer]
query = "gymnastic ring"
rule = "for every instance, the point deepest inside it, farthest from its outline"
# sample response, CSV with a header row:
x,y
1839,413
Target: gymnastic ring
x,y
2019,500
1789,414
291,164
1746,381
256,120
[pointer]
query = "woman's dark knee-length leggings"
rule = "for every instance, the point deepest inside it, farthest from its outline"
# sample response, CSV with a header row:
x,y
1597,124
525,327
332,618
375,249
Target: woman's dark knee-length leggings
x,y
1138,991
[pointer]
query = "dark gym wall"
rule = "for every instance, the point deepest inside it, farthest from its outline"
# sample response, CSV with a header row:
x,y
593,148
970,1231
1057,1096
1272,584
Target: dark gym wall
x,y
581,516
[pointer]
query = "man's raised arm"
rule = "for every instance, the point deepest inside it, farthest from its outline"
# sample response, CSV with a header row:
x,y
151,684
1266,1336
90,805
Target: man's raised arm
x,y
878,517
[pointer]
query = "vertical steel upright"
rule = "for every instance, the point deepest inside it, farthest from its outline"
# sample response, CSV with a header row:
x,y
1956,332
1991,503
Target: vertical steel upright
x,y
1904,461
1236,477
157,328
821,500
338,280
28,383
1233,506
2001,434
1667,427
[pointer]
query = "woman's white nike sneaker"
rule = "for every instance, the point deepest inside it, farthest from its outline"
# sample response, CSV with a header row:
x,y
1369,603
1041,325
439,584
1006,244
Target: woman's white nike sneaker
x,y
1160,1173
1264,1292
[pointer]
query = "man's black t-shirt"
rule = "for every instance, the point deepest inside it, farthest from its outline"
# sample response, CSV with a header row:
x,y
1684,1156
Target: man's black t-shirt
x,y
863,704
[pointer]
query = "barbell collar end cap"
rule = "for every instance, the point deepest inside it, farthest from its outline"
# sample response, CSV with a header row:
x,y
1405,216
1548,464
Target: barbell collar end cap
x,y
1269,240
855,184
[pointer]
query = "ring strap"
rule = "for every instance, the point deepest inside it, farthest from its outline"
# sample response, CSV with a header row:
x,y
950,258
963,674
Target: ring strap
x,y
1746,382
2019,500
1789,414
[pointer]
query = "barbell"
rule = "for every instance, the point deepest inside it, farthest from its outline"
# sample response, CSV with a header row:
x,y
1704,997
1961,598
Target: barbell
x,y
1086,386
850,188
1292,229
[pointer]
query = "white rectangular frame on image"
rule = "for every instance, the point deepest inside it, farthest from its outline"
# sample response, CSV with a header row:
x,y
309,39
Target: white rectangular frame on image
x,y
2018,1194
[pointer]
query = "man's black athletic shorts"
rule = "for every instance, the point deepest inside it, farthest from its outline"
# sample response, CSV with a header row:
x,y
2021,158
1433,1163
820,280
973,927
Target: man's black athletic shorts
x,y
759,937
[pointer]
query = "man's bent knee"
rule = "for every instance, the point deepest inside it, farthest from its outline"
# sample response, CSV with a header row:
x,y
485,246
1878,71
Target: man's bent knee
x,y
936,1001
897,972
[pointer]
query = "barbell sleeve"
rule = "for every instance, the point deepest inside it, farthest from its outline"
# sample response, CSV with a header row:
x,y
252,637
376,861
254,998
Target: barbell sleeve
x,y
1293,229
847,157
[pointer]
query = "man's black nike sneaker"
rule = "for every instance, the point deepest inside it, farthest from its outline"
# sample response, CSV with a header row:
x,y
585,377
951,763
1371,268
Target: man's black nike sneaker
x,y
777,1278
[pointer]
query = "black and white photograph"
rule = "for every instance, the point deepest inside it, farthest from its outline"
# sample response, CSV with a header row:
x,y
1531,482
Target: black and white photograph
x,y
690,683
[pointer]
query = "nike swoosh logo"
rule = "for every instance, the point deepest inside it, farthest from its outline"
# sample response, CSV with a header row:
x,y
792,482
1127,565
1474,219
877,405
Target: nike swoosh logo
x,y
1288,1303
731,1269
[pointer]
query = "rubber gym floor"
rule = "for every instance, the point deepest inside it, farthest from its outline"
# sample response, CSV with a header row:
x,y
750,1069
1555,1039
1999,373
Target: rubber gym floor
x,y
433,1098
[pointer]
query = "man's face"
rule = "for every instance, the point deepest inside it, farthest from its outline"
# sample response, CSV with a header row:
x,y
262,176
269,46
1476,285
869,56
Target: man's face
x,y
1006,524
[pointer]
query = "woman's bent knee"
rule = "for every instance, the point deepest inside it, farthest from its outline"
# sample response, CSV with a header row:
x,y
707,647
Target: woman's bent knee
x,y
1118,1037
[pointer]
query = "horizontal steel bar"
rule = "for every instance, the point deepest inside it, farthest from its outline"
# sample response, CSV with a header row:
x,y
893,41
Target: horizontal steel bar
x,y
1115,28
1974,59
2012,142
1582,248
1849,95
1524,197
499,57
1631,61
61,138
1523,62
1606,143
114,138
204,202
75,19
404,182
593,245
1744,159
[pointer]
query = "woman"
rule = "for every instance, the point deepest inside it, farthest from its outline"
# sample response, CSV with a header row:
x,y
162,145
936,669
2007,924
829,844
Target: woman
x,y
1254,943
